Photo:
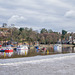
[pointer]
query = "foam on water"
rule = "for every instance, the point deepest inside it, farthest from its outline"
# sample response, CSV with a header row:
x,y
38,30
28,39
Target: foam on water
x,y
38,59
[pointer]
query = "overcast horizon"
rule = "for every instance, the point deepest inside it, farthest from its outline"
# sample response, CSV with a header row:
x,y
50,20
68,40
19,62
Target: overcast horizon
x,y
38,14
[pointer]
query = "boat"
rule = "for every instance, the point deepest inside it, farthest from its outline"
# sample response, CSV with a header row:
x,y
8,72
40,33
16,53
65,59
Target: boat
x,y
22,50
6,51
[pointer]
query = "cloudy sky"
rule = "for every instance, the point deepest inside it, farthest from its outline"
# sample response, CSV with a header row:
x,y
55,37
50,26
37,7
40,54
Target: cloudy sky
x,y
38,14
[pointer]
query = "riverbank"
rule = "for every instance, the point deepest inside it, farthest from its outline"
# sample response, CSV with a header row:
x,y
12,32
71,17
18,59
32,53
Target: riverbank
x,y
66,45
63,45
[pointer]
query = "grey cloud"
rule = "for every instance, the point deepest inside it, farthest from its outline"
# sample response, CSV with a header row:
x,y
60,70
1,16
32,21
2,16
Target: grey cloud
x,y
70,14
16,19
55,14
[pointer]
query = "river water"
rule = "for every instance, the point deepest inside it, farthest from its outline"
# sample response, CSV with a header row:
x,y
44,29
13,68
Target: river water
x,y
62,50
59,64
68,49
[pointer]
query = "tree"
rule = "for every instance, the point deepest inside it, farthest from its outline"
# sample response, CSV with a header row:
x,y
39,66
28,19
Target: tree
x,y
64,32
15,34
44,31
21,29
50,31
4,25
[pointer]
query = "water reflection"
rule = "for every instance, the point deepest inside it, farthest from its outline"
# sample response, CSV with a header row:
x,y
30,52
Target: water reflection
x,y
58,48
68,50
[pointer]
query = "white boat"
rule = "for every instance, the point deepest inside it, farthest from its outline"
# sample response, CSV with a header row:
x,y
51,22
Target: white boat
x,y
22,50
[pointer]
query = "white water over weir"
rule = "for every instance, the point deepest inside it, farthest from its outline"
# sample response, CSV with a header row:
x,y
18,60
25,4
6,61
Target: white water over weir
x,y
47,65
